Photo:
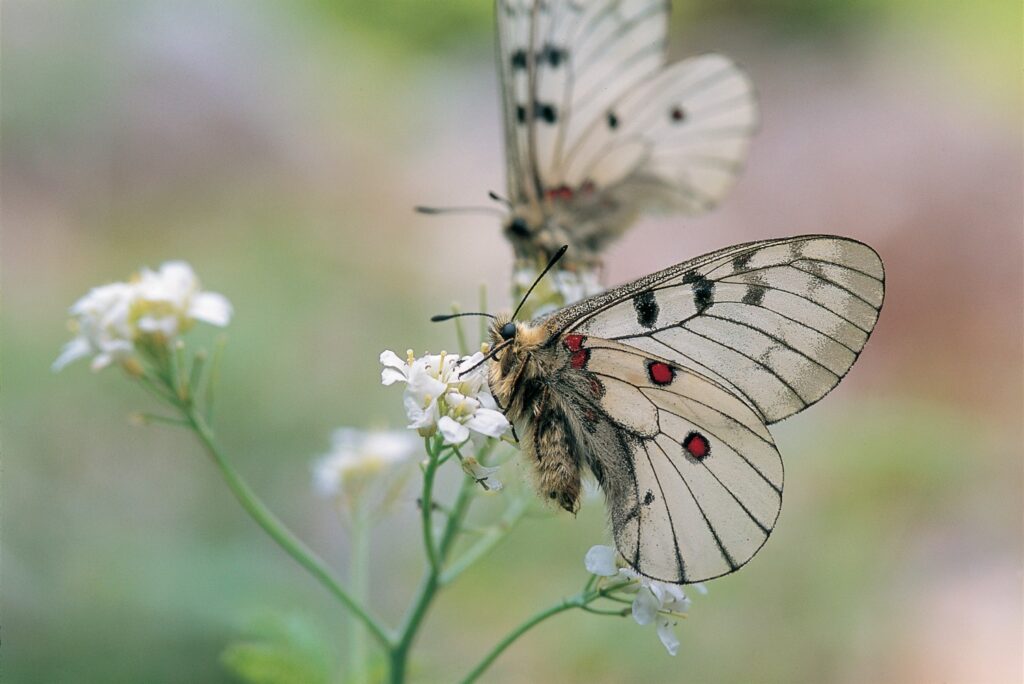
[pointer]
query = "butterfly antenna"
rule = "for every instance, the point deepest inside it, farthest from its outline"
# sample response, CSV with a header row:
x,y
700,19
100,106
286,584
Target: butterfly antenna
x,y
487,357
447,317
434,211
554,260
498,198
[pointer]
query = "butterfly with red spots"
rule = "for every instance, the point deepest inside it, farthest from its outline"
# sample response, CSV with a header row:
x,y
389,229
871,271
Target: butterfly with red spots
x,y
600,127
663,389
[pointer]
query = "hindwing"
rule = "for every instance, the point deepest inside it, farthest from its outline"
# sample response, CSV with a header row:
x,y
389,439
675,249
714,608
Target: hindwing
x,y
691,475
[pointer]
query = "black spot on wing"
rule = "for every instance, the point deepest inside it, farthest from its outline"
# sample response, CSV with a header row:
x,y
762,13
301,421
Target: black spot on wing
x,y
547,112
519,59
703,293
648,498
541,110
554,56
646,305
740,261
754,295
613,120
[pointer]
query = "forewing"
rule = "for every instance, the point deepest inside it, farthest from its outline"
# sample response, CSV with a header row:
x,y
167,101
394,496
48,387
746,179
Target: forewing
x,y
690,472
562,64
777,322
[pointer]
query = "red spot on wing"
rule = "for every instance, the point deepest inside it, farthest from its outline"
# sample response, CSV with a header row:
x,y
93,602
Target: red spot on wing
x,y
596,387
562,192
579,359
573,342
697,445
660,373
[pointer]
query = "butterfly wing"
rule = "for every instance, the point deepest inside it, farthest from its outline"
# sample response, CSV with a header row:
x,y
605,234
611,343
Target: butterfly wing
x,y
594,117
691,475
777,322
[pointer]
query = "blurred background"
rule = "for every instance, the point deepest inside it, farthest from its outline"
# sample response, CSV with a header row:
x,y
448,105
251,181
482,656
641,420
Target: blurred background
x,y
279,147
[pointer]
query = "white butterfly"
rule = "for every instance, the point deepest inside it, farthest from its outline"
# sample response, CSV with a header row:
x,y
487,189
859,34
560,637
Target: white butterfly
x,y
599,128
664,388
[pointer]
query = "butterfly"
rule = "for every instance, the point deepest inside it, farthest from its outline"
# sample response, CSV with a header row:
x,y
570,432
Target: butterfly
x,y
664,389
599,128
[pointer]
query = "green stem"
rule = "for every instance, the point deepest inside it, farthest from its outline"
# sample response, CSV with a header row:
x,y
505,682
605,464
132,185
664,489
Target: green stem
x,y
427,507
165,420
284,537
399,654
536,619
359,581
580,600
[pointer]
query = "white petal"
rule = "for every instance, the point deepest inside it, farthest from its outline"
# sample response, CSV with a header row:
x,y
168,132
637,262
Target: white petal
x,y
461,405
600,560
420,416
100,362
390,376
72,351
645,606
165,325
390,359
667,634
629,573
488,422
701,589
422,385
492,484
211,307
454,432
674,593
395,369
486,400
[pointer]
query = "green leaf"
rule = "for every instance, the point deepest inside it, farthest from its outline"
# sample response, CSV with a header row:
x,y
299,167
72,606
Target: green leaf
x,y
281,650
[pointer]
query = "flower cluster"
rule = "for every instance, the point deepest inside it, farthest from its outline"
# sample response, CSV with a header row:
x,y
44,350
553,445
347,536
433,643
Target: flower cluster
x,y
366,471
446,393
653,601
153,308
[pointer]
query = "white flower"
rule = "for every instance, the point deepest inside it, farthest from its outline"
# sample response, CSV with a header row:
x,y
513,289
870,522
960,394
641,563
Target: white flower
x,y
560,289
365,471
655,601
170,301
443,395
155,307
102,321
576,285
482,474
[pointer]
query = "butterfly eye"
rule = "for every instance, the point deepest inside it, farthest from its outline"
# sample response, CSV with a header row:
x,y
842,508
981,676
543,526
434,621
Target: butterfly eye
x,y
508,331
519,228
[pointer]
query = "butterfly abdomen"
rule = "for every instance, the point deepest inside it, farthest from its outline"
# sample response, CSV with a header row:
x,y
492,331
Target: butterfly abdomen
x,y
556,454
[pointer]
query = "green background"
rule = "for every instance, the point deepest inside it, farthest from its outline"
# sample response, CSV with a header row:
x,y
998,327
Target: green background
x,y
279,147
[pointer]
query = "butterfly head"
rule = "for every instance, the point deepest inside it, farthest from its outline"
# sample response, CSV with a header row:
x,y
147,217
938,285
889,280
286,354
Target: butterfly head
x,y
516,335
525,227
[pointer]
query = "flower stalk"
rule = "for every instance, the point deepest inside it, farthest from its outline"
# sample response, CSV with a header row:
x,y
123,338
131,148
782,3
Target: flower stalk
x,y
277,530
139,326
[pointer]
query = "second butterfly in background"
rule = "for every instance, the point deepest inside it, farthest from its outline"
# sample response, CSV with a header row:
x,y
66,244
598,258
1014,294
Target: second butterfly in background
x,y
599,128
